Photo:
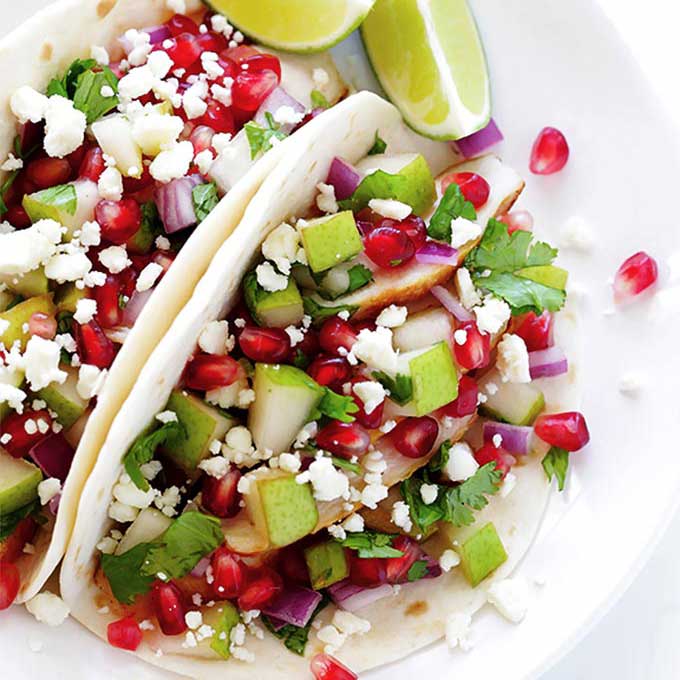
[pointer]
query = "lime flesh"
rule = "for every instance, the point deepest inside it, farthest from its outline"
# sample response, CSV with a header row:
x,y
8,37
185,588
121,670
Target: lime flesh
x,y
428,56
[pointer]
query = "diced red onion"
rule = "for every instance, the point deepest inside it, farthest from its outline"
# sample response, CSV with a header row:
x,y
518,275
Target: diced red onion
x,y
478,142
276,624
54,456
516,439
343,177
546,363
135,306
434,252
352,598
199,570
175,203
278,98
53,505
295,605
452,304
434,570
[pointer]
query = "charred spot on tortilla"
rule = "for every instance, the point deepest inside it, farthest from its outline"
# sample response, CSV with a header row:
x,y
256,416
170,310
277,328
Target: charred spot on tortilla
x,y
105,7
46,52
417,608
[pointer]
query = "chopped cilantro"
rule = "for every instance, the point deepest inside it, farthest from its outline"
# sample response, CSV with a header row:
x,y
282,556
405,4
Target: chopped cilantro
x,y
205,198
301,360
10,520
64,322
417,571
320,313
293,637
452,206
359,276
319,101
378,184
400,388
336,406
371,544
260,137
556,464
66,85
379,145
346,465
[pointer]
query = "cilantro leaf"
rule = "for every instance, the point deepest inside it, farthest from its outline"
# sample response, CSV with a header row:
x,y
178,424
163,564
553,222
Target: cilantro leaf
x,y
66,85
144,449
359,276
522,294
378,184
319,101
64,322
301,360
417,571
205,198
293,637
379,145
124,573
346,465
320,313
260,137
452,206
10,520
556,464
336,406
371,544
400,388
88,96
440,459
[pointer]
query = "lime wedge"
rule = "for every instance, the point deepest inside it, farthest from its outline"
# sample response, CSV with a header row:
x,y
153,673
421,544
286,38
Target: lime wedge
x,y
295,25
429,59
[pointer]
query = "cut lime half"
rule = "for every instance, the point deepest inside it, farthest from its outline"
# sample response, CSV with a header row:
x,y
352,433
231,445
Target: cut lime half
x,y
428,56
295,25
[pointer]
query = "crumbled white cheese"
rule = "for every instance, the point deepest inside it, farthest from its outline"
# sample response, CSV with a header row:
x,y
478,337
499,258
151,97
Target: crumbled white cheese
x,y
388,207
41,363
136,83
64,127
90,234
172,163
458,630
25,250
48,489
64,267
401,516
492,315
371,393
282,247
216,466
375,349
631,383
269,278
460,336
160,63
114,258
12,163
110,184
14,397
148,276
90,381
513,359
155,131
350,624
86,308
168,500
151,470
325,200
327,482
332,638
510,597
353,523
577,235
28,104
215,338
461,464
449,560
193,619
463,231
100,55
497,440
127,493
193,101
290,462
48,608
166,417
372,494
392,316
429,492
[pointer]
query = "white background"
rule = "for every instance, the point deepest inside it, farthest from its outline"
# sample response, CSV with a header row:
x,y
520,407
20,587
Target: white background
x,y
638,638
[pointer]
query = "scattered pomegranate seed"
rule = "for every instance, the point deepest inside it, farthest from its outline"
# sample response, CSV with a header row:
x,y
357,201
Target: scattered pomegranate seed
x,y
118,220
309,346
201,138
336,333
371,420
212,42
169,607
221,496
228,574
184,50
239,53
9,584
250,89
12,547
264,344
218,117
490,453
366,571
565,430
93,164
22,441
263,62
179,24
43,325
109,314
93,345
638,273
465,403
135,185
32,135
415,437
211,371
124,634
536,331
263,586
397,568
473,187
330,371
518,220
17,216
48,172
475,352
326,667
550,152
344,439
389,247
292,566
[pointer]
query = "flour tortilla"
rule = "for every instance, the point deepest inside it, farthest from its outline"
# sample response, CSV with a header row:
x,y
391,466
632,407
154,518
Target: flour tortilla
x,y
409,620
33,54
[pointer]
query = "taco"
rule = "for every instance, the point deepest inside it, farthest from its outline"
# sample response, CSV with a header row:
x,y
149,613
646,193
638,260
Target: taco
x,y
132,141
300,465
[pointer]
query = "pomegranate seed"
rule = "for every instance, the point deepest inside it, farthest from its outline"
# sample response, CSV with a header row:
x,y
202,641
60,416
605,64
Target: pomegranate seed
x,y
169,607
179,24
308,347
251,89
217,117
12,547
164,258
93,345
518,220
32,135
9,584
415,437
135,185
293,567
473,187
48,172
109,314
239,54
264,344
263,62
490,453
210,371
397,568
230,68
536,331
184,50
336,333
260,590
389,247
565,430
330,371
550,152
17,216
43,325
634,276
229,574
93,164
118,220
124,634
414,227
75,158
201,138
465,403
344,439
220,496
366,571
370,420
14,425
326,667
212,42
475,352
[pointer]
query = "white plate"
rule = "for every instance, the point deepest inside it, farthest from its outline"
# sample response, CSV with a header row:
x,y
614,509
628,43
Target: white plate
x,y
555,63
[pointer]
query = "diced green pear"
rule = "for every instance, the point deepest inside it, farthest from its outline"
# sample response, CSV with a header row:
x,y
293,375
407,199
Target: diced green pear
x,y
148,526
202,423
67,297
423,329
114,135
435,379
285,397
330,240
222,618
21,314
303,277
481,554
277,309
514,403
289,509
13,378
326,564
548,275
29,284
55,203
19,481
64,398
